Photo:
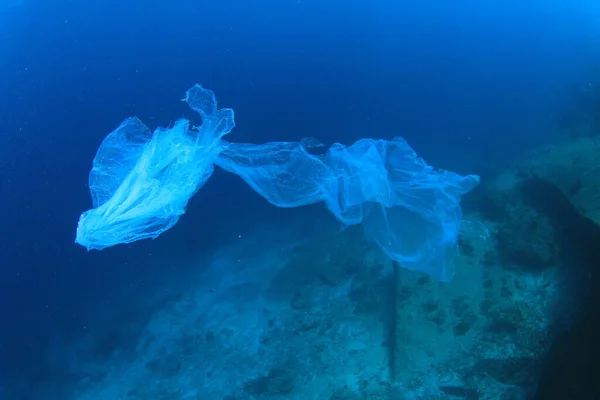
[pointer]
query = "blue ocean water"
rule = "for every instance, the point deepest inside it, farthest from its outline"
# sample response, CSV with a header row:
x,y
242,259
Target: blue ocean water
x,y
470,85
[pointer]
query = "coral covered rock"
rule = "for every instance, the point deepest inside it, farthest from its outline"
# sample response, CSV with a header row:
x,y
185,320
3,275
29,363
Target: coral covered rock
x,y
525,236
573,167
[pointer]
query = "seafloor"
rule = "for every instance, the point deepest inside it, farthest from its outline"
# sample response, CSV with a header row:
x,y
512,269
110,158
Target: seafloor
x,y
303,309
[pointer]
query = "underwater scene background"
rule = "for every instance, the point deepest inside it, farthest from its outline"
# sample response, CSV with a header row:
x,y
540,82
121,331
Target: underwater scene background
x,y
243,300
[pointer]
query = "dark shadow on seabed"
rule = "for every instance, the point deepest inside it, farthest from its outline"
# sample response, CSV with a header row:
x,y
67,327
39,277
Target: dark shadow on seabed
x,y
572,367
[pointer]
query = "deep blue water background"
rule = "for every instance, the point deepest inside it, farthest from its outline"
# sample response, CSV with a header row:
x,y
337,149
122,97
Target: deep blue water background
x,y
469,84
